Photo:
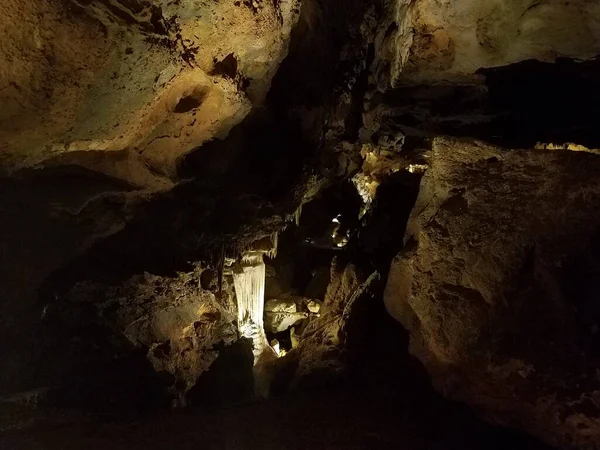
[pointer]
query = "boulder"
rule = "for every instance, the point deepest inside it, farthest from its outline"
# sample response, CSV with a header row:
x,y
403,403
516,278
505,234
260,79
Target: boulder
x,y
319,354
173,325
497,285
281,315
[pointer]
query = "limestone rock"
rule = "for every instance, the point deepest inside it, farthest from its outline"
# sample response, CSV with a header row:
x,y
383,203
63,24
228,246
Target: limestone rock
x,y
313,306
442,40
497,285
172,319
320,351
125,88
283,306
281,315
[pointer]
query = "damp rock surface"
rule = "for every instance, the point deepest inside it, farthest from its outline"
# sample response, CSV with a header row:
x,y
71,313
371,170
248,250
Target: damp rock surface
x,y
495,285
126,88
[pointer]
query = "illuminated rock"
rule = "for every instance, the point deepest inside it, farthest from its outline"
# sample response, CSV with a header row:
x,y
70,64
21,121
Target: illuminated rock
x,y
496,285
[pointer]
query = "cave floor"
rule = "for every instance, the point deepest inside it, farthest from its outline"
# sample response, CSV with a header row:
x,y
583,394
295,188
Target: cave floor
x,y
385,402
352,415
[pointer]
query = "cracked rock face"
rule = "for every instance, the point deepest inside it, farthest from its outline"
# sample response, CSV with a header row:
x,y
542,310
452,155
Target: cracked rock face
x,y
497,285
126,88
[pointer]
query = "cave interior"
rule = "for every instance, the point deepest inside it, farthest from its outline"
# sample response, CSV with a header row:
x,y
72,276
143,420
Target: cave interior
x,y
299,224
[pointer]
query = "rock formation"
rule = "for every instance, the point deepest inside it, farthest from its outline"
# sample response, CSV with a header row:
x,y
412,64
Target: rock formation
x,y
126,88
495,284
323,342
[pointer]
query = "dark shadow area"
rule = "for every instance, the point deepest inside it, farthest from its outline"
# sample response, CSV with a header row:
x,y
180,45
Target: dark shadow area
x,y
43,225
389,382
535,102
580,283
382,235
229,379
515,106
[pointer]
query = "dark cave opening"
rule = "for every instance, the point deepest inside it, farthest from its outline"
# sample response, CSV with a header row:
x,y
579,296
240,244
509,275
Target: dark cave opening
x,y
516,106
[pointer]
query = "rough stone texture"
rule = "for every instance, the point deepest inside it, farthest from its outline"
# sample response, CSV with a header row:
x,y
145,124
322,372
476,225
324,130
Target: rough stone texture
x,y
320,353
62,229
445,40
173,320
144,81
313,306
286,306
497,285
151,92
513,72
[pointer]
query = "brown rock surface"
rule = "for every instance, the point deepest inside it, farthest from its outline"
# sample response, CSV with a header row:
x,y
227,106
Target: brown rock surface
x,y
320,353
173,319
443,41
126,88
497,285
138,146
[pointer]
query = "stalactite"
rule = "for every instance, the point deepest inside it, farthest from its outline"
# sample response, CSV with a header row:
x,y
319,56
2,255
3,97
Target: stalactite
x,y
272,253
249,282
297,215
221,264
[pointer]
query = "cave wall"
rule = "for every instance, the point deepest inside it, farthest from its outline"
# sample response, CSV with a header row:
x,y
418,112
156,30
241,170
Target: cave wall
x,y
100,100
437,40
513,73
92,193
496,281
173,322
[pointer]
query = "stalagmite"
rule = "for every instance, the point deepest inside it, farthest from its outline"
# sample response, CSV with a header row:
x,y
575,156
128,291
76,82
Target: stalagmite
x,y
249,282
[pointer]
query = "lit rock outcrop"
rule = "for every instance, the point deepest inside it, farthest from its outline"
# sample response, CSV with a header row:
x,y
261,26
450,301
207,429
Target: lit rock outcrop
x,y
126,88
497,285
280,315
440,40
176,323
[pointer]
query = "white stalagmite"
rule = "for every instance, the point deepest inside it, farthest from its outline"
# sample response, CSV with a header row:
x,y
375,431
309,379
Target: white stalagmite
x,y
249,284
